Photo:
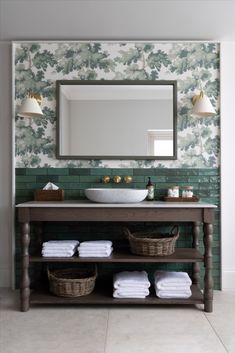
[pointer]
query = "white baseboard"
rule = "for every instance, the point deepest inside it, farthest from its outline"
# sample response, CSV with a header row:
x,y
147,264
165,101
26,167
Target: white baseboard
x,y
4,278
228,279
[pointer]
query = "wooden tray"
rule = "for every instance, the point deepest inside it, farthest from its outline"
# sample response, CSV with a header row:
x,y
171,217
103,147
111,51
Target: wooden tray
x,y
180,199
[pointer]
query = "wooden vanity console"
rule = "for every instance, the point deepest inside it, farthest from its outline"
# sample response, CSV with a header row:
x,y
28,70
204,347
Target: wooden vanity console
x,y
85,211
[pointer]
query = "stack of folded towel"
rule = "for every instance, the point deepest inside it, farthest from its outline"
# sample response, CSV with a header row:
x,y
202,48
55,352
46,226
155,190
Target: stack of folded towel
x,y
131,284
96,248
59,248
172,284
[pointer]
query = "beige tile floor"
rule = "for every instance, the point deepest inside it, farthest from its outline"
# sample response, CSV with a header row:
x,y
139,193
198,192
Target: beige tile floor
x,y
165,329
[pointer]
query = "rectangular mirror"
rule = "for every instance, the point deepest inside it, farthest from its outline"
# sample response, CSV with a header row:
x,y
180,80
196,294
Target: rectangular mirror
x,y
116,119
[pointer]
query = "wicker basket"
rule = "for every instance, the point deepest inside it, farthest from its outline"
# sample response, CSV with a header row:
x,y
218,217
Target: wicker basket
x,y
152,244
72,282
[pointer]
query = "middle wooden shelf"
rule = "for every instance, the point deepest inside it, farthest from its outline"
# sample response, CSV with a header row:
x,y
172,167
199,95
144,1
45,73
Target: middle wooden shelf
x,y
180,255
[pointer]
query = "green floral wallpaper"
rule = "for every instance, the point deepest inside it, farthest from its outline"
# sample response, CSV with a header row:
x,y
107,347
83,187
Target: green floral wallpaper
x,y
37,66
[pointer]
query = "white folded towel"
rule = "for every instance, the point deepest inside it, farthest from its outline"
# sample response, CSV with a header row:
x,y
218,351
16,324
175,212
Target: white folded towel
x,y
131,278
59,247
173,294
61,242
64,253
131,291
95,253
94,248
96,244
165,279
134,294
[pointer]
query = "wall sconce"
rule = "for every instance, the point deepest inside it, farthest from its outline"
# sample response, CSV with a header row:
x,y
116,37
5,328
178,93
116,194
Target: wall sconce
x,y
31,107
202,106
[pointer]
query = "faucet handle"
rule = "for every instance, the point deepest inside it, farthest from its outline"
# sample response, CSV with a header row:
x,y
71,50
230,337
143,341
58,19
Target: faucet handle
x,y
128,179
117,179
105,179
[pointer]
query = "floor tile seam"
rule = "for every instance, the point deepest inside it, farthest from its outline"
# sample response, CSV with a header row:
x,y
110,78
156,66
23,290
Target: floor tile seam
x,y
106,332
216,333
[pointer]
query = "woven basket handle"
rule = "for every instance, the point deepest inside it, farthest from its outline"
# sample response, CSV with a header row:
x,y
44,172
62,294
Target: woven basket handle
x,y
127,233
175,230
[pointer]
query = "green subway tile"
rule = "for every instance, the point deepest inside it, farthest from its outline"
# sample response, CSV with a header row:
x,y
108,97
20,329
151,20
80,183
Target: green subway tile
x,y
25,178
69,178
68,186
156,179
122,171
90,178
79,171
101,171
20,171
143,171
176,179
36,171
58,171
47,178
138,179
214,171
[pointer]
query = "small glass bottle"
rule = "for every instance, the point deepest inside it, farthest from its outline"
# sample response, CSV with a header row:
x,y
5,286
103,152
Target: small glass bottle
x,y
173,191
150,187
187,191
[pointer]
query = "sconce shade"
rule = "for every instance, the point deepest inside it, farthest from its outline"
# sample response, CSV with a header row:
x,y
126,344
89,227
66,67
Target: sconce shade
x,y
202,106
30,108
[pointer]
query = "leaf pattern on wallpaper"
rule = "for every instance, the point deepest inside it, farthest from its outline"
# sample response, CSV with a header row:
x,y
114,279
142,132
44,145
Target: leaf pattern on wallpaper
x,y
39,65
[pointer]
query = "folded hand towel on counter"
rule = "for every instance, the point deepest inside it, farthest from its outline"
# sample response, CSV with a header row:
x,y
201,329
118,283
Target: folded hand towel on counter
x,y
95,253
165,279
131,278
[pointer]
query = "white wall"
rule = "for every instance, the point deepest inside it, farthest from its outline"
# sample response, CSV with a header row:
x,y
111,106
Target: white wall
x,y
118,19
228,163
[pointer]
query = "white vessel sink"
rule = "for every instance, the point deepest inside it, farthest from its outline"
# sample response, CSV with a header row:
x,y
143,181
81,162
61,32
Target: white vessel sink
x,y
116,195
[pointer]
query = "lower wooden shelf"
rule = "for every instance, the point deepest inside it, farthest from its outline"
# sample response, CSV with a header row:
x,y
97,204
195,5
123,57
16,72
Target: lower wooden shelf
x,y
103,296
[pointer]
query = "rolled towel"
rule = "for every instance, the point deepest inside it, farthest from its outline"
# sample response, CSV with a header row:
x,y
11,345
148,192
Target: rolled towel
x,y
173,294
165,279
95,253
131,278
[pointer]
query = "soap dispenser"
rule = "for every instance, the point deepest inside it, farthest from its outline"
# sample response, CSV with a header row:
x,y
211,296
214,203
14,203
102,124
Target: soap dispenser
x,y
150,187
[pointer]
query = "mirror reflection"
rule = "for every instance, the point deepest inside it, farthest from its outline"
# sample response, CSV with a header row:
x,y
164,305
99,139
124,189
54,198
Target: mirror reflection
x,y
116,119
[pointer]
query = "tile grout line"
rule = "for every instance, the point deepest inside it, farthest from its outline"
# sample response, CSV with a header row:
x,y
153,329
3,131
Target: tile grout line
x,y
106,333
217,335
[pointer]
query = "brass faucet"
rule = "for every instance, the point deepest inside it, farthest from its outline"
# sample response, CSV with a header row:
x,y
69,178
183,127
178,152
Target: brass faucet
x,y
117,179
105,179
127,179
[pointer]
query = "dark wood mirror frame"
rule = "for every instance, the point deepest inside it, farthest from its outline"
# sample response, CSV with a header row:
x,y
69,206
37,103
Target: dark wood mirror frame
x,y
59,83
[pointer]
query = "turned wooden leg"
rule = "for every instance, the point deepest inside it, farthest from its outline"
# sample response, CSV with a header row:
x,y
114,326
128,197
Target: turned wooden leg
x,y
208,279
195,245
25,280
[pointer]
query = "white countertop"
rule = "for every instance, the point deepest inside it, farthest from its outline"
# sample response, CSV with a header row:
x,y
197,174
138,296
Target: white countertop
x,y
89,204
